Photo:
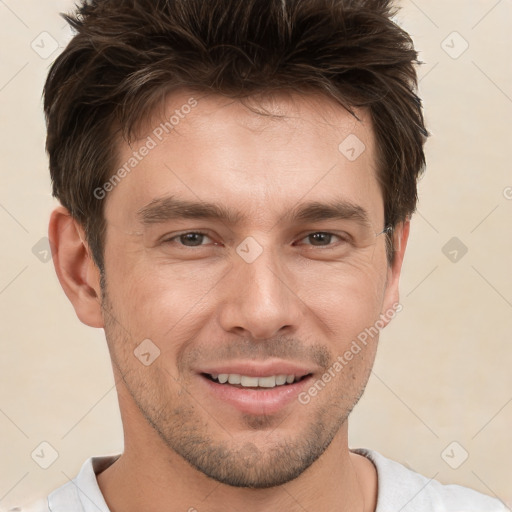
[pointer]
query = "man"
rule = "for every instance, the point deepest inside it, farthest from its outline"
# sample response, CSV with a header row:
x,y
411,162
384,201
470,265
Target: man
x,y
237,180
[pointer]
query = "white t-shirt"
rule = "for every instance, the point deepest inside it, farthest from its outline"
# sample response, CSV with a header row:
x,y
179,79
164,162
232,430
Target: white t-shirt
x,y
399,490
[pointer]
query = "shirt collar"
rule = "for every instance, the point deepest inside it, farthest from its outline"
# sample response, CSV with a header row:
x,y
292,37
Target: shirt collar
x,y
83,491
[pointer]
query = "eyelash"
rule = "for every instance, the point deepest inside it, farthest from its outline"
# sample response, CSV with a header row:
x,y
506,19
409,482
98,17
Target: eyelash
x,y
324,247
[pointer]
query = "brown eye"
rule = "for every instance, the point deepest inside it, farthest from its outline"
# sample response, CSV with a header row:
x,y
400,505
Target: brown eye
x,y
193,239
189,239
322,239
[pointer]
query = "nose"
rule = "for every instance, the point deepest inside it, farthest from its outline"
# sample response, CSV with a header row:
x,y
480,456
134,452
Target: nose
x,y
259,300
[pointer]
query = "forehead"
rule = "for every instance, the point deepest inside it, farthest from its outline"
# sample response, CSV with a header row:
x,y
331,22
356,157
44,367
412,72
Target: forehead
x,y
261,158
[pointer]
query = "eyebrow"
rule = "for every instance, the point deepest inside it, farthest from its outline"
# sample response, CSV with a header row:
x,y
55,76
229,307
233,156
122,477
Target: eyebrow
x,y
171,208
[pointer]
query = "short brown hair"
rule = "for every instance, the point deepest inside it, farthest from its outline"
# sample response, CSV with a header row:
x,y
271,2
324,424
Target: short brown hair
x,y
127,55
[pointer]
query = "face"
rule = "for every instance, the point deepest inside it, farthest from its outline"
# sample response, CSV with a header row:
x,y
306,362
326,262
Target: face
x,y
246,247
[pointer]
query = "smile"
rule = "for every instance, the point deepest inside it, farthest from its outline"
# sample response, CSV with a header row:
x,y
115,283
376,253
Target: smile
x,y
246,381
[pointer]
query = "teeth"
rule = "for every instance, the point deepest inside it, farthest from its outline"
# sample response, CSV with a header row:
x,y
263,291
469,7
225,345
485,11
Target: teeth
x,y
249,381
280,380
253,382
267,382
234,378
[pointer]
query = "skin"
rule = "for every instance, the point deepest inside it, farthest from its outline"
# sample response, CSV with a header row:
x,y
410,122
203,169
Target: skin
x,y
203,304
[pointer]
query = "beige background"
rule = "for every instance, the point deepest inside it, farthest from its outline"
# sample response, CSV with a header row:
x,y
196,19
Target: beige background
x,y
443,370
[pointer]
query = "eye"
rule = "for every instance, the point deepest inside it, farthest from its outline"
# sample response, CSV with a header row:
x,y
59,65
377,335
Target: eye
x,y
323,239
316,239
188,239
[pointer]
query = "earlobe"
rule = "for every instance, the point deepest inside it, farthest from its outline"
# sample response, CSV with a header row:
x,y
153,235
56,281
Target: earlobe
x,y
75,268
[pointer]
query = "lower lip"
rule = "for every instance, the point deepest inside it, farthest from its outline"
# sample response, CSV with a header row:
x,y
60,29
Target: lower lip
x,y
262,401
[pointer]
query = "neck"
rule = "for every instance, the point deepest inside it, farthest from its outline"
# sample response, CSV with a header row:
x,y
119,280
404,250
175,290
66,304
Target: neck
x,y
150,476
157,480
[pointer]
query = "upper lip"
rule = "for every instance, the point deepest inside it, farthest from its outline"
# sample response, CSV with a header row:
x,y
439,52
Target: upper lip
x,y
259,369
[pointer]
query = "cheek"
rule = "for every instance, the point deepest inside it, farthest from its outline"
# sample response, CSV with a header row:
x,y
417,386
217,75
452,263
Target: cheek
x,y
162,301
346,299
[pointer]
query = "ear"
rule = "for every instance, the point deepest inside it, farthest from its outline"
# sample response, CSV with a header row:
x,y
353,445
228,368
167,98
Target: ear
x,y
78,274
392,295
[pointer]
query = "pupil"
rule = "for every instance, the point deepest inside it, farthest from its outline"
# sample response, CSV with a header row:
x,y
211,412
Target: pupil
x,y
192,237
318,237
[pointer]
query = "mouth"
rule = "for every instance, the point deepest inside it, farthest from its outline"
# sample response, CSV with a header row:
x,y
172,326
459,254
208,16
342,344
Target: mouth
x,y
256,390
254,382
